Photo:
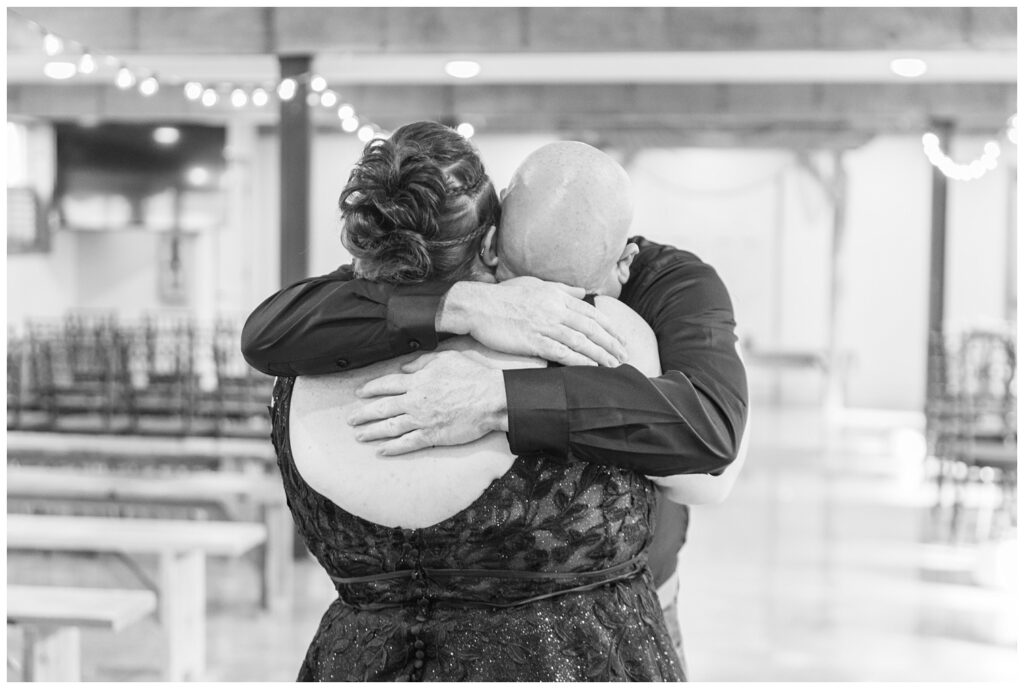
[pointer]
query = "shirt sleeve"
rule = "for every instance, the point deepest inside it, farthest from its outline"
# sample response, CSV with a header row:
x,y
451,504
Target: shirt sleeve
x,y
334,323
689,420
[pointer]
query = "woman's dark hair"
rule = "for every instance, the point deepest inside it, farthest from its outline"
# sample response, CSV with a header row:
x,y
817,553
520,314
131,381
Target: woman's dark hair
x,y
415,204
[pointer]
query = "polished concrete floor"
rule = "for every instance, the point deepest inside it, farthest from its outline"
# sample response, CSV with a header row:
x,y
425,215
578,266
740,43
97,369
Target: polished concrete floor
x,y
824,564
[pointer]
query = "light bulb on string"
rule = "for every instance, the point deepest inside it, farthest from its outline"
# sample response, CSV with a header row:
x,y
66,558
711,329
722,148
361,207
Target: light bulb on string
x,y
365,133
286,89
259,97
239,98
350,124
149,86
209,98
86,63
317,83
328,99
466,129
345,111
52,45
1011,129
193,90
124,79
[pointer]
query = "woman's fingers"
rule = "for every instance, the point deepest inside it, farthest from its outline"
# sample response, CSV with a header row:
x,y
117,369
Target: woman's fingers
x,y
595,315
553,350
590,339
388,428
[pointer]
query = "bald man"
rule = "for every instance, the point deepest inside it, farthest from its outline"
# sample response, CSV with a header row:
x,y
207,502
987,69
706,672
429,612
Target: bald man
x,y
688,420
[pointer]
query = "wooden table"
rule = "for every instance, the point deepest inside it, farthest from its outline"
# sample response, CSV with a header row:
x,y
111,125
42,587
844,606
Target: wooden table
x,y
266,492
181,548
52,618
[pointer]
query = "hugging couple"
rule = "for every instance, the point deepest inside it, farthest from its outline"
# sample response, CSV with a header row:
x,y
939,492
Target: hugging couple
x,y
510,505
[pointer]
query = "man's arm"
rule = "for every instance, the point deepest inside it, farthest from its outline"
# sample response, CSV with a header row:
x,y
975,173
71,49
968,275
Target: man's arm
x,y
334,323
689,420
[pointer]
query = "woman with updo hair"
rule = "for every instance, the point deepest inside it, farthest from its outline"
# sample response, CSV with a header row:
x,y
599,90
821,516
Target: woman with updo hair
x,y
416,207
460,563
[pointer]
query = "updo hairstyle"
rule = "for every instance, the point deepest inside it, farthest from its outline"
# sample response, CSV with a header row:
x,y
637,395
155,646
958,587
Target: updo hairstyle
x,y
415,204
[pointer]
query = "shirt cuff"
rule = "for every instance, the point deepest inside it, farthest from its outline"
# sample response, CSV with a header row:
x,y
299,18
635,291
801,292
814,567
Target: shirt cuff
x,y
538,418
411,320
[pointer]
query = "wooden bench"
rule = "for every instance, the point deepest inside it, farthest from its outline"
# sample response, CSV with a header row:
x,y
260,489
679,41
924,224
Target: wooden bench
x,y
181,548
265,492
228,451
52,618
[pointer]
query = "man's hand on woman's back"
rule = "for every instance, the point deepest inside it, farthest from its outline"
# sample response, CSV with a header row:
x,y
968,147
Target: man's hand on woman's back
x,y
532,317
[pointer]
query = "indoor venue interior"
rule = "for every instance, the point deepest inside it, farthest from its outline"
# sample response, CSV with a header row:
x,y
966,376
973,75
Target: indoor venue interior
x,y
849,173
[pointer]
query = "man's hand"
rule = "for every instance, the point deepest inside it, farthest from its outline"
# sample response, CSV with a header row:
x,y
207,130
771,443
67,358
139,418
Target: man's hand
x,y
443,398
532,317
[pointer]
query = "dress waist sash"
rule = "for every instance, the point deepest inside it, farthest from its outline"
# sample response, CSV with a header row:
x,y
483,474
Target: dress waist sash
x,y
554,583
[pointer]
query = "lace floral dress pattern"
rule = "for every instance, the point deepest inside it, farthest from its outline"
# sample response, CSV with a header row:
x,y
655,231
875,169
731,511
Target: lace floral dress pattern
x,y
542,578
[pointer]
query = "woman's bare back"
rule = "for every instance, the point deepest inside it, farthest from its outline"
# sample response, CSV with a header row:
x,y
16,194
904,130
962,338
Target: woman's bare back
x,y
422,488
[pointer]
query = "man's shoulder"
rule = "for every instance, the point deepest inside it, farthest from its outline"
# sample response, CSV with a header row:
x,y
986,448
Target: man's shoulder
x,y
655,258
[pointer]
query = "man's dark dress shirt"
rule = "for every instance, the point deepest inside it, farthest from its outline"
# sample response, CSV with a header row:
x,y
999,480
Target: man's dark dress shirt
x,y
687,421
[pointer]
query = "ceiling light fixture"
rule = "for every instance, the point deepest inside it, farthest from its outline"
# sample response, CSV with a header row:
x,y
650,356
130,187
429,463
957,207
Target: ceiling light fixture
x,y
462,69
908,67
166,136
60,70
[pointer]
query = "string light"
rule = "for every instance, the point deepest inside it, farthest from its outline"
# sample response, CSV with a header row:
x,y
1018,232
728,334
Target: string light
x,y
129,75
350,124
125,79
328,99
149,86
52,45
193,90
286,89
312,99
973,170
466,129
1011,129
86,63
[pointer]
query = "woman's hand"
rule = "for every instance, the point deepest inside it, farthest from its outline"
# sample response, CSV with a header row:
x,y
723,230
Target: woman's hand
x,y
532,317
442,398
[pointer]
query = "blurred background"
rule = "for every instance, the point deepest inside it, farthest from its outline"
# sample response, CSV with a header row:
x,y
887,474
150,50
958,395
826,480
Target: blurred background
x,y
850,172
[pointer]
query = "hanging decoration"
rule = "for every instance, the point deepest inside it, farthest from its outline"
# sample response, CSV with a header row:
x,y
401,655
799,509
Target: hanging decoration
x,y
73,58
977,168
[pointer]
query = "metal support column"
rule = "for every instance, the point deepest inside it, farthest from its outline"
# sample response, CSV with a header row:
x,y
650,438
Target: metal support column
x,y
295,134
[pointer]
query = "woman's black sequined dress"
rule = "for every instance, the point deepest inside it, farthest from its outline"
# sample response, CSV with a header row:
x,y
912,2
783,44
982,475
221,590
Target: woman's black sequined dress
x,y
542,578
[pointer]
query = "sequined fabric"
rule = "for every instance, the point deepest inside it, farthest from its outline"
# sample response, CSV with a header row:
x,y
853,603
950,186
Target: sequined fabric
x,y
542,578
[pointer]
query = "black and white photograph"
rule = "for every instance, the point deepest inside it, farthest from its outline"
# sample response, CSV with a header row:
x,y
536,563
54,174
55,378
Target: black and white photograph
x,y
542,343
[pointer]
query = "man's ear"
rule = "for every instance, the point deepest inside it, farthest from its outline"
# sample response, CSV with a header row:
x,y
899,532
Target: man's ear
x,y
502,195
625,261
489,248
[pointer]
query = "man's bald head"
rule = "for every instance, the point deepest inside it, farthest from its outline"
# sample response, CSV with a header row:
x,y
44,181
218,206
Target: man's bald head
x,y
566,216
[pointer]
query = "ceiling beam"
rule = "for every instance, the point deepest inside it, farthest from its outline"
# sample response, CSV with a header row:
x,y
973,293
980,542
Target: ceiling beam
x,y
391,30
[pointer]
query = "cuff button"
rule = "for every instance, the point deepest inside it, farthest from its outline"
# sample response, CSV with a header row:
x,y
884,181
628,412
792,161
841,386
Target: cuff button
x,y
414,345
341,363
